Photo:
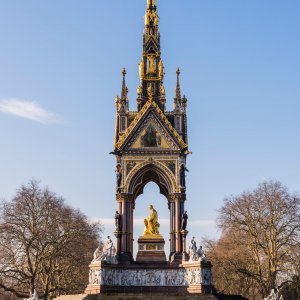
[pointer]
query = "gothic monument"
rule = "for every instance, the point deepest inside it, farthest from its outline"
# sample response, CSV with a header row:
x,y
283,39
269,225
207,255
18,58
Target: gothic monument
x,y
151,144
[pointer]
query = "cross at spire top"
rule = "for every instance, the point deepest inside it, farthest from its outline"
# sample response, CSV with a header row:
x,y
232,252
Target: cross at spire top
x,y
151,3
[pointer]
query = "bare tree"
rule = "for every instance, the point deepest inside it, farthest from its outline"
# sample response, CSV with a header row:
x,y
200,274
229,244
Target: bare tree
x,y
229,254
265,225
44,244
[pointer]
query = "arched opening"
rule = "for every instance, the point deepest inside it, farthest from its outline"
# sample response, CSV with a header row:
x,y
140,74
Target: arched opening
x,y
151,244
151,172
151,194
161,175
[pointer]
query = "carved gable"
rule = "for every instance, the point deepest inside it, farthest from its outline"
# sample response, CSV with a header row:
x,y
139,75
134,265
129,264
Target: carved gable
x,y
149,130
151,45
151,135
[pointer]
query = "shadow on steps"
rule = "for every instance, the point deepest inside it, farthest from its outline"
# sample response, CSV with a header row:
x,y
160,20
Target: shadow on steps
x,y
149,297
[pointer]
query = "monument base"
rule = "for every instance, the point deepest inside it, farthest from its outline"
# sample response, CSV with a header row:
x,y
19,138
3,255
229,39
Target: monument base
x,y
142,296
151,249
137,277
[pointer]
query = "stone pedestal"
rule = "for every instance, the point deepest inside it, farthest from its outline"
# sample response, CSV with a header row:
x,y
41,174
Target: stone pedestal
x,y
151,249
148,278
199,276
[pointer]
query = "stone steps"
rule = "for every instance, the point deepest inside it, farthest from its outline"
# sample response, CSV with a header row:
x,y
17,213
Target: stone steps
x,y
72,297
155,296
121,296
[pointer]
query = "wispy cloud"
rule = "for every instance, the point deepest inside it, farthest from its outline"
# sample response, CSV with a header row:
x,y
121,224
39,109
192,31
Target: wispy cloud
x,y
27,109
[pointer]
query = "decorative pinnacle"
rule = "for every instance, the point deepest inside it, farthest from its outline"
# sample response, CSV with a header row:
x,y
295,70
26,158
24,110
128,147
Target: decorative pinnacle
x,y
117,101
178,91
124,72
124,87
184,102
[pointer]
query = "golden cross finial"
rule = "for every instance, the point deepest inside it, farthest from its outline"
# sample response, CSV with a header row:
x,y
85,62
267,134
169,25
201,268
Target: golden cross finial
x,y
151,3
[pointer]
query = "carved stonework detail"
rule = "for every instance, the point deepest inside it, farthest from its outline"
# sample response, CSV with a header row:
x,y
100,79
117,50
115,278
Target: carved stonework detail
x,y
174,197
150,277
171,165
129,166
152,137
165,170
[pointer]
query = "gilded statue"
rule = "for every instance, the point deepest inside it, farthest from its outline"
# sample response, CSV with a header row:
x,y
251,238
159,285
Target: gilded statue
x,y
147,19
142,69
162,90
151,223
150,92
151,66
161,69
139,90
151,18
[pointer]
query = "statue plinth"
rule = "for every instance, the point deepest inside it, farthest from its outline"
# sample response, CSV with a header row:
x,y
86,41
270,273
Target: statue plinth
x,y
151,248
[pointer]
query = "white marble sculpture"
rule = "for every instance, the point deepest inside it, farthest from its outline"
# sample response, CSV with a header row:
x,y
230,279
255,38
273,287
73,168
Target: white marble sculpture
x,y
109,252
194,253
201,253
97,254
274,295
148,277
33,296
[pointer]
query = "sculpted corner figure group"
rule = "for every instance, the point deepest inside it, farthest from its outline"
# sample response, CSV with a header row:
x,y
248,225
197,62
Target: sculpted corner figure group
x,y
106,253
195,253
33,296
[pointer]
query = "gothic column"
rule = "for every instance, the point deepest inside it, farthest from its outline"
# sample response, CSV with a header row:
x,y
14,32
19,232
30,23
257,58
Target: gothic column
x,y
131,226
172,226
118,234
177,206
177,224
125,204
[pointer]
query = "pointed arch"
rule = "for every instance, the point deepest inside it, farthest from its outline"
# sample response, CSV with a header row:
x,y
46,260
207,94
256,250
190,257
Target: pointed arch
x,y
150,171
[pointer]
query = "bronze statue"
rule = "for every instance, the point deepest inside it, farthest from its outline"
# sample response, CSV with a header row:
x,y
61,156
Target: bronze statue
x,y
184,219
183,169
119,176
151,223
118,221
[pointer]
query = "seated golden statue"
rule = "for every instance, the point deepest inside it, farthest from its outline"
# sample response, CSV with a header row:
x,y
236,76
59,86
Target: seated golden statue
x,y
151,223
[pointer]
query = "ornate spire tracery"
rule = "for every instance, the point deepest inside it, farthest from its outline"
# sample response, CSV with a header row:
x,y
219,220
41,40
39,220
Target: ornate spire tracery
x,y
124,88
177,99
123,101
151,67
151,87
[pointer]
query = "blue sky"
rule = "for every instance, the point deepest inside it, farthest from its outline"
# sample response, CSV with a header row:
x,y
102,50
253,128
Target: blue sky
x,y
60,70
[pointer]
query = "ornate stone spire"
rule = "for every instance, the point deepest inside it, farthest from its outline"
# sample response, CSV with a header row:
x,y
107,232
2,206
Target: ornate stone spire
x,y
122,102
151,67
124,90
177,99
